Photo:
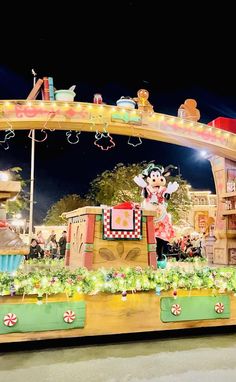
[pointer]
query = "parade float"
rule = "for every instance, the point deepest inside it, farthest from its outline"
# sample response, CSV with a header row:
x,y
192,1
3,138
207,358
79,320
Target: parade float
x,y
111,282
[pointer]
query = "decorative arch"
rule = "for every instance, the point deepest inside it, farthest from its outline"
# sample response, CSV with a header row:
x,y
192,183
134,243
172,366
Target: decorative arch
x,y
220,143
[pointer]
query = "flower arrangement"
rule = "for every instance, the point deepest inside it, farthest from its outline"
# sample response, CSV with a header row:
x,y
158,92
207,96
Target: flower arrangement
x,y
49,281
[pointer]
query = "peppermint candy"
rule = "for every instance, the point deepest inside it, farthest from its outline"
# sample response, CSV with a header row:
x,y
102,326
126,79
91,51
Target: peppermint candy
x,y
10,319
176,309
69,316
219,307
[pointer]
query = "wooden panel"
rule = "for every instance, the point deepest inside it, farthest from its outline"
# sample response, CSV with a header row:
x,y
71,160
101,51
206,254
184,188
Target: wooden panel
x,y
118,253
5,195
150,231
88,259
82,234
228,194
10,186
220,256
97,211
152,259
229,212
108,314
89,234
232,256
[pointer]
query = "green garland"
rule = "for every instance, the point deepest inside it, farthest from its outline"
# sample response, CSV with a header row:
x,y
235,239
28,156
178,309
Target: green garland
x,y
53,281
196,259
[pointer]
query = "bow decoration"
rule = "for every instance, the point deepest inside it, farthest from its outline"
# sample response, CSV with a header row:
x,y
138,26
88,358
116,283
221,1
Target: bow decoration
x,y
152,167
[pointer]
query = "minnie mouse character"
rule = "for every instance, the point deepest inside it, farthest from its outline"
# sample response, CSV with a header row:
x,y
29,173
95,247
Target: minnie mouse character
x,y
155,194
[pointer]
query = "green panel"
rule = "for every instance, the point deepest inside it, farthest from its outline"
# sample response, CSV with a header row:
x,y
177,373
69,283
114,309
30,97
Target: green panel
x,y
144,219
98,218
67,245
88,247
194,308
126,117
37,318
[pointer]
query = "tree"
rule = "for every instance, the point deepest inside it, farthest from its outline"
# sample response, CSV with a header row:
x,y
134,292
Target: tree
x,y
180,201
116,186
69,202
21,201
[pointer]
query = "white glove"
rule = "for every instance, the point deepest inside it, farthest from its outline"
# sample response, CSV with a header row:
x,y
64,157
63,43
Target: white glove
x,y
172,187
140,181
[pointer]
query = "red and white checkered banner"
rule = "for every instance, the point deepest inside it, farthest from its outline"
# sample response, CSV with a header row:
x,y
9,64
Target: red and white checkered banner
x,y
122,224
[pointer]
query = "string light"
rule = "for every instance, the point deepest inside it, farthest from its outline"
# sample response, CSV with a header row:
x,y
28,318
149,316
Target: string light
x,y
201,131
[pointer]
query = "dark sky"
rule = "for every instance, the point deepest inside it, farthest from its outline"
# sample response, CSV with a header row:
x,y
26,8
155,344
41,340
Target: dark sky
x,y
173,56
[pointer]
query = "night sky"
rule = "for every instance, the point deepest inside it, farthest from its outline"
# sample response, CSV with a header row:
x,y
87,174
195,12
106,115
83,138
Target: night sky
x,y
168,65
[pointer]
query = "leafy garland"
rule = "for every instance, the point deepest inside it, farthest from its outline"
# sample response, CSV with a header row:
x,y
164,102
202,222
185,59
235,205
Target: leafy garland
x,y
195,259
53,281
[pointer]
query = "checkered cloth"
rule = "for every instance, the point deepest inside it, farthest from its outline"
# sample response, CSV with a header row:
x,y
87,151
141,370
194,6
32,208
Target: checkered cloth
x,y
125,226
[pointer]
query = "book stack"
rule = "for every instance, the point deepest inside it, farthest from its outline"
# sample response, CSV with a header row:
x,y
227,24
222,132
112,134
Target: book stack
x,y
51,89
47,89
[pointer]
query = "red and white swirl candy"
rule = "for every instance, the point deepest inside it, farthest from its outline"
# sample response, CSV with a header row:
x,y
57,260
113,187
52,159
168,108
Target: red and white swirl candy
x,y
69,316
10,319
219,307
176,309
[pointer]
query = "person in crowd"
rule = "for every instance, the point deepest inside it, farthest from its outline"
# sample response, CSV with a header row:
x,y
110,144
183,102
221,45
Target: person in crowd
x,y
62,245
52,247
40,239
51,236
35,252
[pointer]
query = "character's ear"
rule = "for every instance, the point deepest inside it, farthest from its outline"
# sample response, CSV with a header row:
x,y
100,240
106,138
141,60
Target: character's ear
x,y
166,173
